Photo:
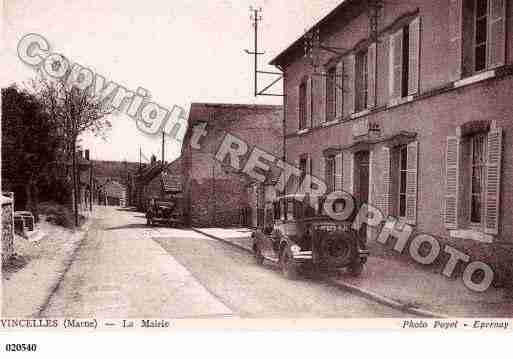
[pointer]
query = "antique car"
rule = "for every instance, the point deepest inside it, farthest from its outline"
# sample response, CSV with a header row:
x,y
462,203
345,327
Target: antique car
x,y
167,211
299,235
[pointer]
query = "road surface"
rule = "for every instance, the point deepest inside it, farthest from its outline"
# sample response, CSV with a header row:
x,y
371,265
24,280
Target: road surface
x,y
124,269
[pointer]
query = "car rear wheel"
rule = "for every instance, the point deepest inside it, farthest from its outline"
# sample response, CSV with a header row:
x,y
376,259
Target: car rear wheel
x,y
289,267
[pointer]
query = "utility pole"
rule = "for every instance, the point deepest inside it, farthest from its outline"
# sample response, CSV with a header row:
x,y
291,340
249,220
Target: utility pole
x,y
256,17
90,185
163,146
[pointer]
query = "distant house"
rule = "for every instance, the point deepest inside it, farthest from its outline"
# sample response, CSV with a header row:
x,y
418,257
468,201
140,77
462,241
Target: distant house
x,y
215,194
113,193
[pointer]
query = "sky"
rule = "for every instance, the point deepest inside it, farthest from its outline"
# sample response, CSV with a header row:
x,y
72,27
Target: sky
x,y
181,51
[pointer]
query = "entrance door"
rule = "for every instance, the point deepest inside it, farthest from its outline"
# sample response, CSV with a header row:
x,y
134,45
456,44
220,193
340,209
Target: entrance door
x,y
361,160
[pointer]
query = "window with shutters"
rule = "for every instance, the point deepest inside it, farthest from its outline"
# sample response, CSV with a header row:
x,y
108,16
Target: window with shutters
x,y
362,81
302,105
473,176
484,30
331,93
330,173
404,60
399,181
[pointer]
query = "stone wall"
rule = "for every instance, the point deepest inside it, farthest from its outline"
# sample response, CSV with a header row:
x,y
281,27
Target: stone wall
x,y
7,229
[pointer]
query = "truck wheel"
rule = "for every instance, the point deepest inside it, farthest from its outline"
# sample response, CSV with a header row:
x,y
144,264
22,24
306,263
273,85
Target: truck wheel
x,y
356,268
288,264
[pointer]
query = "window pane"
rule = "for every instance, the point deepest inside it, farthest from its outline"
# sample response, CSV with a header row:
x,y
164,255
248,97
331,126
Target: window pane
x,y
403,182
402,205
481,31
481,58
330,94
476,209
404,157
302,106
481,8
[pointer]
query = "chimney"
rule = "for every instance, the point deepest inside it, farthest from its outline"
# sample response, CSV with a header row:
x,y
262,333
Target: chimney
x,y
87,155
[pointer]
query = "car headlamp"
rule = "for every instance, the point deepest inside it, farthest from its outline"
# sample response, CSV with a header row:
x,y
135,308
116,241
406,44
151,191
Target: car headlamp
x,y
295,248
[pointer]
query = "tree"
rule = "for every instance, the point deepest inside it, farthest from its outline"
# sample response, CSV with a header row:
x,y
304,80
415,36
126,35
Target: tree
x,y
29,143
75,111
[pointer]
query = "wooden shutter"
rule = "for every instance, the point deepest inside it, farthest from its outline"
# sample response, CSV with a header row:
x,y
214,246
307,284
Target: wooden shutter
x,y
321,111
349,89
396,64
414,57
451,196
493,181
497,33
411,182
371,75
339,170
339,90
386,182
455,39
347,170
309,103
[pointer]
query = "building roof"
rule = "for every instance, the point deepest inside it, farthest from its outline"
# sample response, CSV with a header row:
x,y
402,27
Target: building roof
x,y
202,111
298,43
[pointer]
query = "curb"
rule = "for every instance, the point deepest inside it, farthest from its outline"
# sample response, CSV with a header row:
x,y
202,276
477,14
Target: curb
x,y
66,265
406,308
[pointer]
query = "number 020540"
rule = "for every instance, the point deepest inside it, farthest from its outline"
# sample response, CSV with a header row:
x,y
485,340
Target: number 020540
x,y
20,347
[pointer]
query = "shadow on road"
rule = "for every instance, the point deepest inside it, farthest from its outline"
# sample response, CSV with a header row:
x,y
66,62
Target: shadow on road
x,y
128,226
129,209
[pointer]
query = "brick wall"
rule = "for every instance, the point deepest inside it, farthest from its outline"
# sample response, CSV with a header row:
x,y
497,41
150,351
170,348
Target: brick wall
x,y
433,115
215,194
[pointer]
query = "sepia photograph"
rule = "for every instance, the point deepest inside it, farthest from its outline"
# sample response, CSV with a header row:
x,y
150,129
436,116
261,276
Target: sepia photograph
x,y
256,165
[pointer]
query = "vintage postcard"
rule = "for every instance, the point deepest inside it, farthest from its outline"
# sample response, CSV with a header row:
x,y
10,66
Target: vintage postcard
x,y
261,165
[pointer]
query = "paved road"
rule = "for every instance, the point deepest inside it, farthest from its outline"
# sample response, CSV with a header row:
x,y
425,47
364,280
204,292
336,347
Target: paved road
x,y
127,270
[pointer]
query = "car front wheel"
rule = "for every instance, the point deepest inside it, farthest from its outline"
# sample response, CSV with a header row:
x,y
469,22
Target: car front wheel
x,y
289,267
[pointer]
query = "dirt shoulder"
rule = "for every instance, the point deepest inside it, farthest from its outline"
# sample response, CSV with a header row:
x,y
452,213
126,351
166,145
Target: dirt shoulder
x,y
30,278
